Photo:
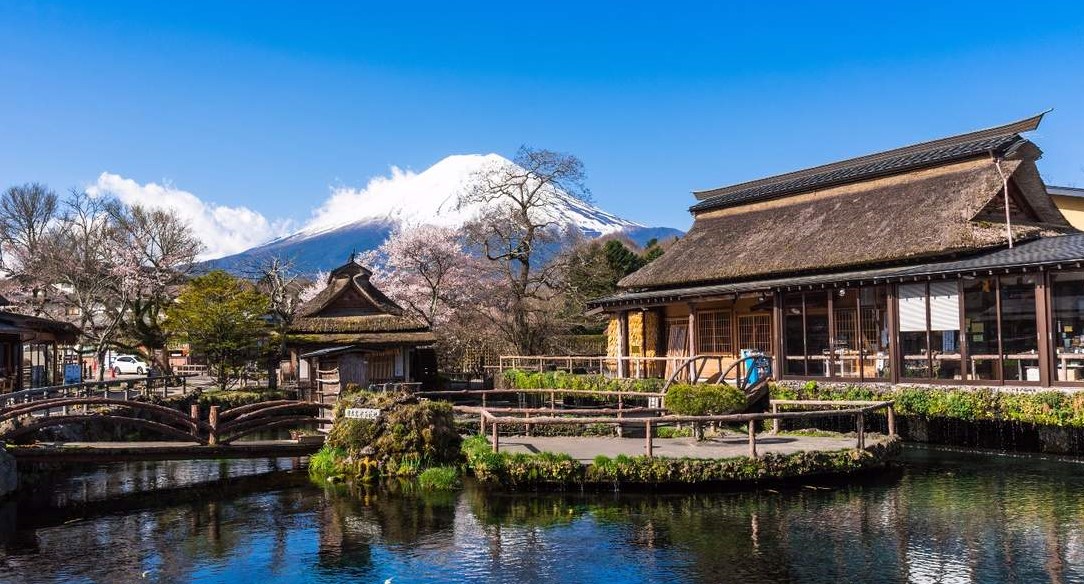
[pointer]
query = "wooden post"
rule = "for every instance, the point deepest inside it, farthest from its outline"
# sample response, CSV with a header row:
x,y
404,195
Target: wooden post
x,y
482,423
892,420
861,423
483,398
194,412
526,426
213,421
752,438
553,400
496,438
648,444
775,421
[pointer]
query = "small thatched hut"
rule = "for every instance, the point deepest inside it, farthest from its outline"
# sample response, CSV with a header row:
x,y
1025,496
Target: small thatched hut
x,y
353,327
945,261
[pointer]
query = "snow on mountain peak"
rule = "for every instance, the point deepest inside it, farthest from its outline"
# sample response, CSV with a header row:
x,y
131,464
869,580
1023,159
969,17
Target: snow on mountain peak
x,y
432,197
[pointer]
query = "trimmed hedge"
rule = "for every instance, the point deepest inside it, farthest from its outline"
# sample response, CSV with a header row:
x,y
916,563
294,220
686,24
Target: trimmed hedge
x,y
1047,408
519,379
704,400
560,470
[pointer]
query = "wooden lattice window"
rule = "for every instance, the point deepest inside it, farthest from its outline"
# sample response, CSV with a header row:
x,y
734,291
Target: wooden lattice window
x,y
713,333
846,329
871,329
755,332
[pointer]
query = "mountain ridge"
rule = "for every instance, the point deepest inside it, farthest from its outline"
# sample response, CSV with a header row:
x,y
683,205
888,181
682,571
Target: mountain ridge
x,y
358,220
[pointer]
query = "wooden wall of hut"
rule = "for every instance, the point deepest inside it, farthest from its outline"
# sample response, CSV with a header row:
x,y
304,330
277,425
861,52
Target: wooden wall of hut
x,y
354,370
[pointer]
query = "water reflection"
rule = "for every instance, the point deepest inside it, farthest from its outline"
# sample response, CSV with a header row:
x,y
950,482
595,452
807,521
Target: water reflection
x,y
945,517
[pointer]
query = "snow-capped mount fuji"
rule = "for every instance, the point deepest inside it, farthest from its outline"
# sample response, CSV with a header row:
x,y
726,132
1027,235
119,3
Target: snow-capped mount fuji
x,y
357,220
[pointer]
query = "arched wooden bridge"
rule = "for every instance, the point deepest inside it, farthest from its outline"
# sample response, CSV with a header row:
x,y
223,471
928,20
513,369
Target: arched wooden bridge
x,y
27,413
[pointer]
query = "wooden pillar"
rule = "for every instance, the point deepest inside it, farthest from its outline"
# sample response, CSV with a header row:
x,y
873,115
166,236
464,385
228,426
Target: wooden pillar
x,y
895,361
752,438
777,335
649,447
496,438
622,343
212,420
860,422
891,420
692,341
641,369
1043,318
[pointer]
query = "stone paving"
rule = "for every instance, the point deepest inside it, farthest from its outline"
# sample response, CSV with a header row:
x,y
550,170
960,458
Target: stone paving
x,y
585,449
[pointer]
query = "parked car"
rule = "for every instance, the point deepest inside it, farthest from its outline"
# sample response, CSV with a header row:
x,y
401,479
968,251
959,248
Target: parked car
x,y
126,364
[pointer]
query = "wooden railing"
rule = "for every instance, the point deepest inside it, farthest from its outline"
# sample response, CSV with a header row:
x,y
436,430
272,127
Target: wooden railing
x,y
163,385
491,419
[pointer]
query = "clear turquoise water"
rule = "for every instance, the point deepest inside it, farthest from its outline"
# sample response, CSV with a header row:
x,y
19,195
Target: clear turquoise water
x,y
940,517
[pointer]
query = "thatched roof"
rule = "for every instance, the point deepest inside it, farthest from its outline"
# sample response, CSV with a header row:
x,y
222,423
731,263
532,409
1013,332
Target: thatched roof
x,y
352,310
36,328
933,211
1057,252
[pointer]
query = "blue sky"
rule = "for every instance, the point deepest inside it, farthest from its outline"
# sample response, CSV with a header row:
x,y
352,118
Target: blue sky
x,y
269,105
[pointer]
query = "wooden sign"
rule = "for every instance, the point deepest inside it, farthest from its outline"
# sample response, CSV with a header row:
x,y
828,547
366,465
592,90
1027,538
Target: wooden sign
x,y
361,413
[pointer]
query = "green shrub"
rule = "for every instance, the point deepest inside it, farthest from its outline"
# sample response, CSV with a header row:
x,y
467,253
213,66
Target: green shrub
x,y
704,400
1051,408
325,461
519,379
439,478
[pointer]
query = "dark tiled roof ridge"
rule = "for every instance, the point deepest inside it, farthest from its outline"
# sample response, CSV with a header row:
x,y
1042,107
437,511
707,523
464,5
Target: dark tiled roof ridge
x,y
940,151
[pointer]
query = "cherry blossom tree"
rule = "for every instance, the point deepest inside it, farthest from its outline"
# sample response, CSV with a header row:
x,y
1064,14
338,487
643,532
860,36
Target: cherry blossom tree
x,y
427,271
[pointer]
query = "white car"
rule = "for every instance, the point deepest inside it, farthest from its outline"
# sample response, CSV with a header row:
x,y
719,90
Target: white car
x,y
129,364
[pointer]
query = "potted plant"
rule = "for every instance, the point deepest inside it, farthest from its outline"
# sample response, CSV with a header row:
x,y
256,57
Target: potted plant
x,y
307,436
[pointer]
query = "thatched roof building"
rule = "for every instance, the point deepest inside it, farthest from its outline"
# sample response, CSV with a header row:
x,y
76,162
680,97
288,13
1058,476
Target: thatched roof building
x,y
353,326
944,260
351,310
923,201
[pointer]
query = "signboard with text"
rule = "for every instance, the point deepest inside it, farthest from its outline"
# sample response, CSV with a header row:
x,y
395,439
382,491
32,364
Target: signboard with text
x,y
361,413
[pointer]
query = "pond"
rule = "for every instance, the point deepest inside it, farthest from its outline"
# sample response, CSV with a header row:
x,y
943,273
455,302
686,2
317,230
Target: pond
x,y
939,516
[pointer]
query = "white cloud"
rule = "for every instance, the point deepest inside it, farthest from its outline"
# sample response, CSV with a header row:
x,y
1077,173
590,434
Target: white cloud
x,y
223,230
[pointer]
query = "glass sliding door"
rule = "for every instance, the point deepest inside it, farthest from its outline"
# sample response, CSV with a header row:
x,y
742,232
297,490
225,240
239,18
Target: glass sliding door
x,y
846,343
945,329
817,338
1019,328
914,341
1067,306
874,333
794,334
981,329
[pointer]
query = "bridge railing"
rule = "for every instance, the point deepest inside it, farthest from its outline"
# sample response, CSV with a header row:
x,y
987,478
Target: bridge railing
x,y
164,385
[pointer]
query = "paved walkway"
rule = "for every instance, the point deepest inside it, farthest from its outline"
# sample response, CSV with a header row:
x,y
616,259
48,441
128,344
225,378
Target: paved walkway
x,y
585,449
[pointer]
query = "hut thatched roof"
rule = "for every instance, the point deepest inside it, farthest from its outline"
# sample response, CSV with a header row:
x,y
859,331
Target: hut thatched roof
x,y
36,328
350,309
930,210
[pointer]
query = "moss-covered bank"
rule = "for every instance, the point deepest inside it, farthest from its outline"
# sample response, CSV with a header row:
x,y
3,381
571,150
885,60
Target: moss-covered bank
x,y
547,470
407,438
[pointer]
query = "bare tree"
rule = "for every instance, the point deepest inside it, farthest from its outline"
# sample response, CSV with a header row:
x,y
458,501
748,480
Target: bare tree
x,y
519,230
82,257
26,212
278,279
160,251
